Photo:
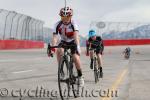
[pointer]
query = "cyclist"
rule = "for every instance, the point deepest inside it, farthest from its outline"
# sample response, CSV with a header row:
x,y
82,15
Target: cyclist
x,y
66,32
95,42
127,52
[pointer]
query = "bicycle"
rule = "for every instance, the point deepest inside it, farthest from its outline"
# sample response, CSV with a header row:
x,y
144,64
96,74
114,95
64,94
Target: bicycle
x,y
97,73
126,55
95,67
67,74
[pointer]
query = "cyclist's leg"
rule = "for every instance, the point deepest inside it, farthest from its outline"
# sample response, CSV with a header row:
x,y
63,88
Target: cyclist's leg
x,y
92,58
99,57
76,57
59,52
77,61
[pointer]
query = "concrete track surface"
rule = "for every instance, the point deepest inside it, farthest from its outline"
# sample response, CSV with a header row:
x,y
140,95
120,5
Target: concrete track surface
x,y
26,74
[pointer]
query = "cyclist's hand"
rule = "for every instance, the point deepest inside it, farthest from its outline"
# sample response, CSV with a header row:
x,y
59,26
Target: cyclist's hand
x,y
49,54
50,51
53,50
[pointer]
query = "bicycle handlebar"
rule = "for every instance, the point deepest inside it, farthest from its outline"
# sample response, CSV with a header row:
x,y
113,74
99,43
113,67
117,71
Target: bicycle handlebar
x,y
62,46
65,46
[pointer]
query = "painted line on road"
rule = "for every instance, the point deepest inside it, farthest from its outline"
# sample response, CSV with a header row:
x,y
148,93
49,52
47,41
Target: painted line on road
x,y
116,83
24,71
19,59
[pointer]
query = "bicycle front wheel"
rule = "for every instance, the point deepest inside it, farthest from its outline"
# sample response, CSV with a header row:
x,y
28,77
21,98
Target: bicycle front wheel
x,y
63,79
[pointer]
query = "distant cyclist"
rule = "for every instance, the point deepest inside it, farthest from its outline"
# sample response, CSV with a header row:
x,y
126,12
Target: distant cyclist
x,y
66,32
95,42
127,52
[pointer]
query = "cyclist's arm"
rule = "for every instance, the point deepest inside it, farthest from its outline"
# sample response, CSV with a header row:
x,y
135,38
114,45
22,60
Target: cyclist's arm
x,y
76,37
102,44
55,33
87,46
54,39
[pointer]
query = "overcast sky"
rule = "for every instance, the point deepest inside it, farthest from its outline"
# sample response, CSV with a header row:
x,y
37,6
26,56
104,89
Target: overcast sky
x,y
85,11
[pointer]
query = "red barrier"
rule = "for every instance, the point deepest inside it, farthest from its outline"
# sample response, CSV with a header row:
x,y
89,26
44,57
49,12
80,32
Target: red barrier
x,y
20,44
27,44
127,42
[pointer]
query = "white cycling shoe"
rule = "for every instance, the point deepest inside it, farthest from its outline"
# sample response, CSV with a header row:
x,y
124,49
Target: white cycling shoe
x,y
81,81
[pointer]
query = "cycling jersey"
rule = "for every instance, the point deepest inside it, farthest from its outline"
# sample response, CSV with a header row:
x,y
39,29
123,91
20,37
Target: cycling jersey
x,y
127,50
97,43
66,32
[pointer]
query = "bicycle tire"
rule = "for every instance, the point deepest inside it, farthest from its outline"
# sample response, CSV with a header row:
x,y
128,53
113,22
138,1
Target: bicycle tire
x,y
75,80
95,70
62,90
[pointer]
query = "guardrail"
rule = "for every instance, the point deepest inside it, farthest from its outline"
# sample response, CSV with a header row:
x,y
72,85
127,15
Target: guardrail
x,y
20,44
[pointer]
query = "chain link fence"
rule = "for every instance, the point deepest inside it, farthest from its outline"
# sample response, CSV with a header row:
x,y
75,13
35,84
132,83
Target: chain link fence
x,y
17,26
121,30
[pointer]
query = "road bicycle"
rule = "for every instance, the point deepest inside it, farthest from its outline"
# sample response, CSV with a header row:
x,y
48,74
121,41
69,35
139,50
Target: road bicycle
x,y
68,79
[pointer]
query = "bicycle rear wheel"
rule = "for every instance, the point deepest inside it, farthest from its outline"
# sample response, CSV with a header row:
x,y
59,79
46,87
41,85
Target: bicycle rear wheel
x,y
95,70
63,79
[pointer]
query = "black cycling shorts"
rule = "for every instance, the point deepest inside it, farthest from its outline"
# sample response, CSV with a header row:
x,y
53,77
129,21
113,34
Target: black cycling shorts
x,y
72,48
98,49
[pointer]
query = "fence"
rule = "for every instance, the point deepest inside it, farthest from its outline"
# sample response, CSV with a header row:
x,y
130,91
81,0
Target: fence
x,y
17,26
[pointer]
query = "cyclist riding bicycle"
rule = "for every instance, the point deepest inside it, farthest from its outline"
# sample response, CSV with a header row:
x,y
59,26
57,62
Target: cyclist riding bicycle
x,y
95,42
66,32
127,52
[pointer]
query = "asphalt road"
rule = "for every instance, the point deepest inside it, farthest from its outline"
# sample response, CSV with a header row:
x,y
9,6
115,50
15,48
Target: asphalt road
x,y
26,74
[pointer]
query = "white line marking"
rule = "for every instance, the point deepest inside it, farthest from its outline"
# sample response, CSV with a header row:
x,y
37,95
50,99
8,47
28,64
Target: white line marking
x,y
19,59
22,71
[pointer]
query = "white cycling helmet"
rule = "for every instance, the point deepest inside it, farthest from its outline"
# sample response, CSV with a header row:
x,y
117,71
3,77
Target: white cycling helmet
x,y
66,11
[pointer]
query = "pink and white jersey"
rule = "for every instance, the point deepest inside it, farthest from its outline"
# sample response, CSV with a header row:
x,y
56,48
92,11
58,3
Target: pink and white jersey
x,y
66,32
